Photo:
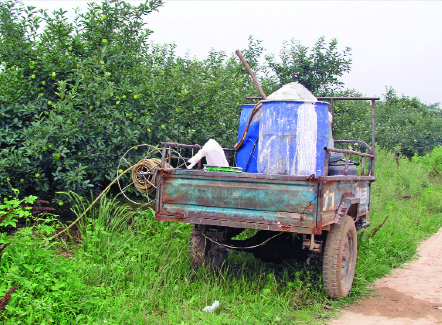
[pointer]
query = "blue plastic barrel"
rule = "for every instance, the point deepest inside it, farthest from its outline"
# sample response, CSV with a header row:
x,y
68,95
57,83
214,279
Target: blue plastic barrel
x,y
247,155
292,137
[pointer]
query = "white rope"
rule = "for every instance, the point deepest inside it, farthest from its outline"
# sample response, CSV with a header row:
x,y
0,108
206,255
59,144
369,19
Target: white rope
x,y
234,247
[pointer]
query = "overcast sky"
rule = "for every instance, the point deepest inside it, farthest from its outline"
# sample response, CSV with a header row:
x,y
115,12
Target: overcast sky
x,y
394,43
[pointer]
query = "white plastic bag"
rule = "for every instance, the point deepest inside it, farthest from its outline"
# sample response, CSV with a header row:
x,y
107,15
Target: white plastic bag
x,y
214,154
214,306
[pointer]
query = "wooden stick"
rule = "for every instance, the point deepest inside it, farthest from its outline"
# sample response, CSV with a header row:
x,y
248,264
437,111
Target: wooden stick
x,y
249,70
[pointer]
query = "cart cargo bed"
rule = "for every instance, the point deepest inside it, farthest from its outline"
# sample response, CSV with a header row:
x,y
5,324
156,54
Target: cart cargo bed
x,y
250,200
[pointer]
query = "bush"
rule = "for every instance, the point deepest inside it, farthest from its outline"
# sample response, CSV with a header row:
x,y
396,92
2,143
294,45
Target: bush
x,y
431,161
43,285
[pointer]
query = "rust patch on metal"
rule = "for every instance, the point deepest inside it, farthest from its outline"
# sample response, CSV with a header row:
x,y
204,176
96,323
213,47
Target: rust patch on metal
x,y
255,224
179,215
346,201
309,209
291,215
326,228
311,177
311,243
166,172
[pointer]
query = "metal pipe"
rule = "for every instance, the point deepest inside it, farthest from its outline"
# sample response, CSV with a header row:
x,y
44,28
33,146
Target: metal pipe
x,y
363,166
187,146
348,98
163,155
327,158
357,153
347,158
372,130
356,142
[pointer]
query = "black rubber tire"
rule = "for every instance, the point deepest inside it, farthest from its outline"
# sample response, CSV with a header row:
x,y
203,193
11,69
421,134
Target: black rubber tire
x,y
203,251
340,255
197,248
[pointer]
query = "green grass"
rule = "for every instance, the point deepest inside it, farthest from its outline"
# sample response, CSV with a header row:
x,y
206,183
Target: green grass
x,y
130,269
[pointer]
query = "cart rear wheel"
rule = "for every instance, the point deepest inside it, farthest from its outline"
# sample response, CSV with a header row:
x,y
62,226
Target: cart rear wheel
x,y
202,248
340,258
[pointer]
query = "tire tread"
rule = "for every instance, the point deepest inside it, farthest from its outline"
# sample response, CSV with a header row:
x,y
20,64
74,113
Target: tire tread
x,y
332,253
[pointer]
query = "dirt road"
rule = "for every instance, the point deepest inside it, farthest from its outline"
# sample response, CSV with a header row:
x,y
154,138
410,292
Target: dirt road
x,y
410,295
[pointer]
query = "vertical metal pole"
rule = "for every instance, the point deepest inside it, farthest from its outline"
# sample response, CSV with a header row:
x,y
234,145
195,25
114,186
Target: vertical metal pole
x,y
163,157
363,167
372,131
327,158
199,162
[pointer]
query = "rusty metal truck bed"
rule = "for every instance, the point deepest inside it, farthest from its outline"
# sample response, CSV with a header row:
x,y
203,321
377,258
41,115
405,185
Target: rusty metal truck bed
x,y
267,202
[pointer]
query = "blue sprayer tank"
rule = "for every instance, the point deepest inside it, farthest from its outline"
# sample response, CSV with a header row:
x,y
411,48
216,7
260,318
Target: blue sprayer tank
x,y
292,137
247,155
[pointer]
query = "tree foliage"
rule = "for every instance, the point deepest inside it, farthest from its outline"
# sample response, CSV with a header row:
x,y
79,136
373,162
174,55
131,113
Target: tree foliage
x,y
318,68
73,90
404,125
408,126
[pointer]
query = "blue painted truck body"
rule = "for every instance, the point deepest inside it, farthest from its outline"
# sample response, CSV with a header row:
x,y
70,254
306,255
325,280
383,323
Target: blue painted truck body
x,y
288,203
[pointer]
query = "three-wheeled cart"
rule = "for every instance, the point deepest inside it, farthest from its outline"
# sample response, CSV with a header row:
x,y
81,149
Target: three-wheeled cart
x,y
315,216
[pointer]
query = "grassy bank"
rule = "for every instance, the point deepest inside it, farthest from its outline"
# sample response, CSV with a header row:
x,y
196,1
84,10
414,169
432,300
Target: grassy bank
x,y
129,269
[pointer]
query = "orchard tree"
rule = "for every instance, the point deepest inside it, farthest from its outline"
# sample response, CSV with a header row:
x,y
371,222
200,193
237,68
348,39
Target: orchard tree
x,y
407,126
69,94
404,125
318,68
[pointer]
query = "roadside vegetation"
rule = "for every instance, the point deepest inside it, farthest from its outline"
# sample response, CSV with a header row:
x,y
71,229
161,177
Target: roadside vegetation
x,y
75,95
